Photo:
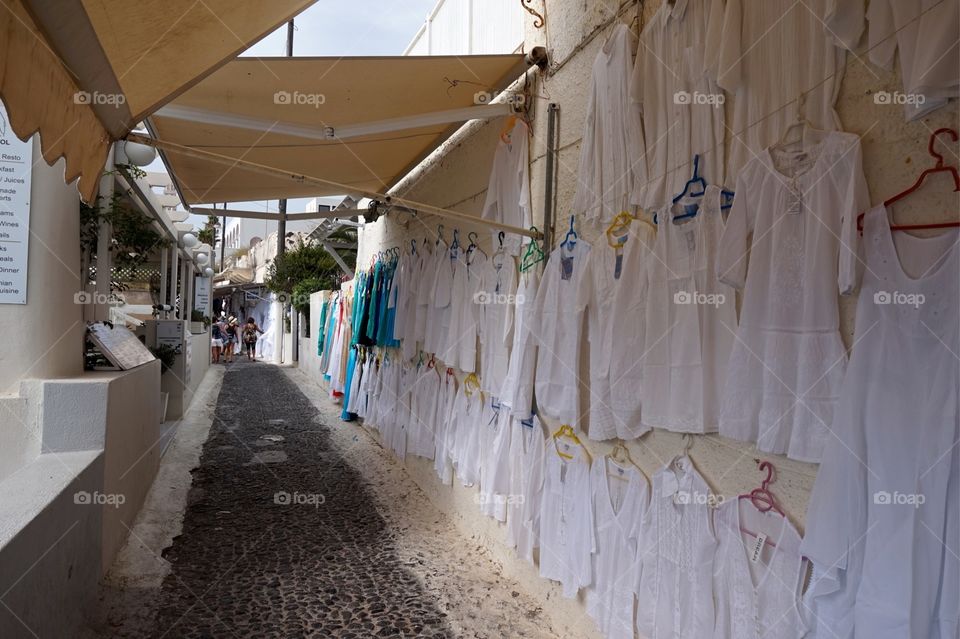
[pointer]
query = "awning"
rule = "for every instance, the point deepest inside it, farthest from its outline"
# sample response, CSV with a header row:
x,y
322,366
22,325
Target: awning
x,y
83,72
356,122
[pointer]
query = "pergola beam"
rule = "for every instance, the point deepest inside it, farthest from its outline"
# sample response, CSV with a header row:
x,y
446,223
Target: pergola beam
x,y
267,215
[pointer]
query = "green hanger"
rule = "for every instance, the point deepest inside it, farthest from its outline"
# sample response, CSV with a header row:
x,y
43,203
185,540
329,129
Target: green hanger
x,y
533,255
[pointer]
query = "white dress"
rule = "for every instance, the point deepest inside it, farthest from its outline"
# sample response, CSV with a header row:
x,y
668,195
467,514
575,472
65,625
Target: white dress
x,y
516,392
611,151
767,53
508,192
618,504
495,464
498,286
557,326
681,104
676,547
883,525
614,292
757,586
440,301
691,322
527,448
423,411
788,359
425,273
461,342
442,462
566,518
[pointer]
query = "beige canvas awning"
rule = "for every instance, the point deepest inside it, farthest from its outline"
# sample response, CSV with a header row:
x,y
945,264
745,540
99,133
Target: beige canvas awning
x,y
83,72
360,123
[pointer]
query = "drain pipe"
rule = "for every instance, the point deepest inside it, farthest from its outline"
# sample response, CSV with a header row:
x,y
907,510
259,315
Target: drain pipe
x,y
553,114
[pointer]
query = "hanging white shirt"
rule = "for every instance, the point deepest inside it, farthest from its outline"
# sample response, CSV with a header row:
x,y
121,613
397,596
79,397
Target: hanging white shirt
x,y
787,362
527,448
566,518
495,299
614,292
691,321
508,192
611,151
425,274
461,342
516,392
757,585
681,104
557,329
495,463
446,403
922,32
619,502
676,547
768,53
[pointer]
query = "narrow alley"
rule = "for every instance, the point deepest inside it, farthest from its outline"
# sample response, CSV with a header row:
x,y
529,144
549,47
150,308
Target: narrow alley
x,y
284,537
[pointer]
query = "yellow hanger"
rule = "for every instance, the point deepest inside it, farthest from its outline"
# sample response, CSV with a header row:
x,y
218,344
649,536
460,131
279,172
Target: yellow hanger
x,y
508,129
567,431
471,380
618,226
620,455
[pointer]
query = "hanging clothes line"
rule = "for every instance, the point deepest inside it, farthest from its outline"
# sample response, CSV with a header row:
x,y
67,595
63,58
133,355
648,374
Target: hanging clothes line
x,y
389,201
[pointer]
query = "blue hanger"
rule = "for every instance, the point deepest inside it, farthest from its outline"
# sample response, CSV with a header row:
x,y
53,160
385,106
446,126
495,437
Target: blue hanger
x,y
571,239
697,179
413,247
726,193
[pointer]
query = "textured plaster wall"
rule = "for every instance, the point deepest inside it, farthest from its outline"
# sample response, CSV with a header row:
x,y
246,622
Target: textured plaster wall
x,y
894,153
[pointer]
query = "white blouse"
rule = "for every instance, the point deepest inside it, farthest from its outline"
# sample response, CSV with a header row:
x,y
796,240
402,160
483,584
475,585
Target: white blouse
x,y
611,152
788,360
557,328
527,448
682,106
495,462
508,192
495,299
768,53
516,392
614,292
461,342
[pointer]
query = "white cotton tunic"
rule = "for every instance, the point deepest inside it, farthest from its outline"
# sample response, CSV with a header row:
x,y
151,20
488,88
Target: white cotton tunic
x,y
788,359
508,192
461,342
566,518
496,298
691,322
442,462
616,301
767,53
618,504
527,448
557,327
883,525
516,392
423,411
440,301
495,463
425,274
611,151
757,591
681,104
676,548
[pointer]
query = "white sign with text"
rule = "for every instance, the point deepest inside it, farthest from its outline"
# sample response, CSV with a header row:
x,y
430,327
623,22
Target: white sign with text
x,y
16,160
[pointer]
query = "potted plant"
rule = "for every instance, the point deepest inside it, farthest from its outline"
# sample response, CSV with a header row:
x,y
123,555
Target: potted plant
x,y
199,323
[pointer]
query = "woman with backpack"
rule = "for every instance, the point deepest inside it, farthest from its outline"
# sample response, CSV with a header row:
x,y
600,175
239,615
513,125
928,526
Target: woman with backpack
x,y
250,330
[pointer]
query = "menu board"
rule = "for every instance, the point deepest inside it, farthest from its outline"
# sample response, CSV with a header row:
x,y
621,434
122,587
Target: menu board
x,y
119,345
201,294
16,161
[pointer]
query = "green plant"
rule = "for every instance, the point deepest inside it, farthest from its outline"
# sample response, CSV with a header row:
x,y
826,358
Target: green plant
x,y
208,234
166,354
305,269
196,315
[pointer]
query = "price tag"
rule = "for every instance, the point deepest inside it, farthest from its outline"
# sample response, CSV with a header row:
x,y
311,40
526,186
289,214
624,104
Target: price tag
x,y
757,549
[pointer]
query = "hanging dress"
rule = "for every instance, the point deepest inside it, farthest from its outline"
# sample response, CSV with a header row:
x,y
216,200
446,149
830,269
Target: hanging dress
x,y
618,504
461,351
446,409
614,293
883,524
691,322
757,586
516,392
527,447
495,308
787,361
676,547
495,463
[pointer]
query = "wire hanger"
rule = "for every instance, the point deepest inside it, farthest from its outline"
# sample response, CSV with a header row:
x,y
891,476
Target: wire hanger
x,y
937,168
620,455
472,236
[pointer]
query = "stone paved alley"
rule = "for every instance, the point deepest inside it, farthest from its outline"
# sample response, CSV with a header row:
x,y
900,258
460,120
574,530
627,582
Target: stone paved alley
x,y
346,557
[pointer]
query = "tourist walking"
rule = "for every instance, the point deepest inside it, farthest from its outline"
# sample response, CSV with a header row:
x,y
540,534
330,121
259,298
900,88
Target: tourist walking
x,y
250,336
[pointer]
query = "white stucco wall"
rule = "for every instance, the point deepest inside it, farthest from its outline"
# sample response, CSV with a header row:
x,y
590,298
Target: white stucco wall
x,y
894,153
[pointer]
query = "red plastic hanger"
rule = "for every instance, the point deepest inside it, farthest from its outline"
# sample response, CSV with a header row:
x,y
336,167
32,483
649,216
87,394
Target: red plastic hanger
x,y
938,168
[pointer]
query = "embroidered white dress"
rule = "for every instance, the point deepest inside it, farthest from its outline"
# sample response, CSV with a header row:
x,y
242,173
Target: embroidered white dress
x,y
757,586
446,402
691,322
557,327
527,448
676,548
508,192
883,524
618,504
516,393
787,362
614,292
611,151
495,308
495,463
566,518
426,273
461,342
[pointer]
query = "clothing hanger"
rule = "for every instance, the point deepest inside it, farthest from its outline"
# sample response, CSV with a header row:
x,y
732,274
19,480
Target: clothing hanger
x,y
620,455
533,255
472,236
511,122
763,500
413,247
568,432
440,234
937,168
471,380
618,227
571,238
695,180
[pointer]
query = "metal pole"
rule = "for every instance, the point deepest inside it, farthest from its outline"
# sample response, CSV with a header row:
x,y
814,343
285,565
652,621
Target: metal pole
x,y
164,267
282,220
101,303
174,273
223,236
553,110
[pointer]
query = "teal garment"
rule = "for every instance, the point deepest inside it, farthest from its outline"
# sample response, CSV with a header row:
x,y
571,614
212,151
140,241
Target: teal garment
x,y
321,329
371,328
388,315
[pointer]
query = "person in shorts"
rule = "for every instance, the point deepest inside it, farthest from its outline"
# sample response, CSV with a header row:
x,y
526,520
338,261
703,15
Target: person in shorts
x,y
216,342
229,338
250,336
